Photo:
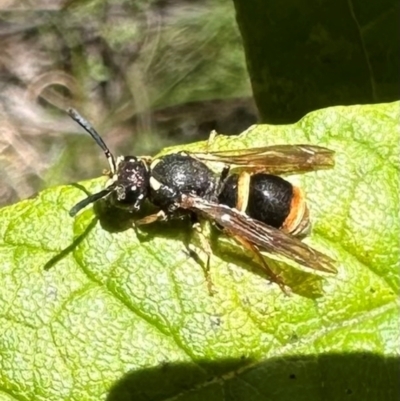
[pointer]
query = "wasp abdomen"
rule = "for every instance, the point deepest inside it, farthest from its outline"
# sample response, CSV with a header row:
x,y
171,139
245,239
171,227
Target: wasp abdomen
x,y
269,197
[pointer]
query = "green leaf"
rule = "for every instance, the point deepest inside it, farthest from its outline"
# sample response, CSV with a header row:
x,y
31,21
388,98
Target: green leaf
x,y
89,310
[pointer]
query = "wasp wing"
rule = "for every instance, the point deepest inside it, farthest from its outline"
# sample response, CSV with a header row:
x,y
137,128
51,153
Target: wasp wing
x,y
268,238
277,159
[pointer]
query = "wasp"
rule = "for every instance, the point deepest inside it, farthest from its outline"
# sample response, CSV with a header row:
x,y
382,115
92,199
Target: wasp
x,y
248,199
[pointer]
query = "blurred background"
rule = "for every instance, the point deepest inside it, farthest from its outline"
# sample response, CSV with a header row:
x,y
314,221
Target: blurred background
x,y
145,73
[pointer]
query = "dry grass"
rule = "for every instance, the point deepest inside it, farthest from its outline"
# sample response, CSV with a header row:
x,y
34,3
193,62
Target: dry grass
x,y
146,74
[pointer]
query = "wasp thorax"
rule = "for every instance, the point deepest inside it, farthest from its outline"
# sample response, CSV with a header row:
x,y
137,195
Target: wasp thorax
x,y
130,183
176,174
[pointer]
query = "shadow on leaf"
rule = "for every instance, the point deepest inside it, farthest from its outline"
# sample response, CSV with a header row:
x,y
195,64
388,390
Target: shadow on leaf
x,y
69,249
353,376
306,284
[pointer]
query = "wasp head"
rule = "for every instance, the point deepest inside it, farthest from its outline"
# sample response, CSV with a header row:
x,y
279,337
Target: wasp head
x,y
129,175
130,183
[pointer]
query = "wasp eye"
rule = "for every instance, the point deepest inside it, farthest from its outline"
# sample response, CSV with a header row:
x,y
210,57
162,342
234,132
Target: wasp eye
x,y
129,196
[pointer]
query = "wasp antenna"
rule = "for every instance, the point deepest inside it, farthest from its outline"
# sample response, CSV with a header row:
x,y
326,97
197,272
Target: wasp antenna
x,y
90,199
85,124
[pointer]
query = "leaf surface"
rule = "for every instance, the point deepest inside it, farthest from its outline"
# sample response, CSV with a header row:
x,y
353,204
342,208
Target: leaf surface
x,y
89,310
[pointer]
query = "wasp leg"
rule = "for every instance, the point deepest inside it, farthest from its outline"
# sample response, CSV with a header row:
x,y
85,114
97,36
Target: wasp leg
x,y
254,249
152,218
146,159
211,139
222,178
205,245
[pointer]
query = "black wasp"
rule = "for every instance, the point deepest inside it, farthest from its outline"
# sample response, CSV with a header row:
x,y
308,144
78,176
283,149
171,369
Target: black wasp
x,y
260,210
